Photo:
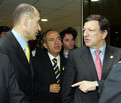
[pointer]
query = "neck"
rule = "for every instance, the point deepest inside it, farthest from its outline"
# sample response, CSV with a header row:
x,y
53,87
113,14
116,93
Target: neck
x,y
66,50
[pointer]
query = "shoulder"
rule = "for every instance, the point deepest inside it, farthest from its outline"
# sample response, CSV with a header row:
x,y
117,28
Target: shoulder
x,y
79,50
41,55
7,41
113,48
4,61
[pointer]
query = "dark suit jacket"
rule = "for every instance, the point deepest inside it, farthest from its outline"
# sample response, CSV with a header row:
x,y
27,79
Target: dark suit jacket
x,y
80,66
44,76
112,86
9,90
23,70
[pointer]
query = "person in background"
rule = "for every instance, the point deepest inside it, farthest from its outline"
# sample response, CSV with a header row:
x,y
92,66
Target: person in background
x,y
4,30
68,37
15,45
88,66
35,44
49,67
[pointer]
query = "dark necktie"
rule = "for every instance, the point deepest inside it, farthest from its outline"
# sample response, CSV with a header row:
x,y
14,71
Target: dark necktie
x,y
56,70
98,64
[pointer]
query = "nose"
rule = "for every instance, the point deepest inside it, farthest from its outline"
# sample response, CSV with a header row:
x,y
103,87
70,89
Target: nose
x,y
56,41
70,42
85,33
39,28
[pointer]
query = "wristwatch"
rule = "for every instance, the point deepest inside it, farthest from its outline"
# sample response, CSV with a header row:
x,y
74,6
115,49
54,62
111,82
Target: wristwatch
x,y
96,84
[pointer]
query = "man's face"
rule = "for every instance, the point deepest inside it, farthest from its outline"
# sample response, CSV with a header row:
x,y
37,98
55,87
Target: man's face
x,y
68,42
3,34
93,37
33,27
53,43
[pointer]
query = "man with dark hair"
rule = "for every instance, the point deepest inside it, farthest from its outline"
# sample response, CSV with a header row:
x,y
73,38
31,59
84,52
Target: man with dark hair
x,y
88,66
15,44
68,37
4,30
49,69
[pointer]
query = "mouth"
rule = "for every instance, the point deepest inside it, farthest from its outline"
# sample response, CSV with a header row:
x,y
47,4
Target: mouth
x,y
86,40
71,46
57,47
37,33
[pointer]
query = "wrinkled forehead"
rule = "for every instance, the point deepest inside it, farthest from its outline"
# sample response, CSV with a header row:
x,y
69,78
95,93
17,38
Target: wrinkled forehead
x,y
52,34
92,24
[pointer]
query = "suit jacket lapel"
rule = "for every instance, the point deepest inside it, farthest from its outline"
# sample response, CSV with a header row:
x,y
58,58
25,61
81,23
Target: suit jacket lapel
x,y
108,59
19,52
50,67
62,64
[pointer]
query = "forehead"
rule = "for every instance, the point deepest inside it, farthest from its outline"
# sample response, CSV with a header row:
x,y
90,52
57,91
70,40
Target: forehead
x,y
37,13
52,34
92,24
68,36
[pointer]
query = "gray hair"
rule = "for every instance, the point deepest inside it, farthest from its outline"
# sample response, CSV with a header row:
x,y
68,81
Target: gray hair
x,y
21,10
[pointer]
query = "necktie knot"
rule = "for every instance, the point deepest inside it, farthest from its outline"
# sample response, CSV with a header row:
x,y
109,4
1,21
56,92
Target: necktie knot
x,y
55,60
97,52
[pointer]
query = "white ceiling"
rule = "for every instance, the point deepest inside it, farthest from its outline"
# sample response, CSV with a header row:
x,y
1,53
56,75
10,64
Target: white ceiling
x,y
60,13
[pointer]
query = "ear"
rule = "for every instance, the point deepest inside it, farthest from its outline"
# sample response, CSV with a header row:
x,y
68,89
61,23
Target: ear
x,y
45,45
105,33
25,21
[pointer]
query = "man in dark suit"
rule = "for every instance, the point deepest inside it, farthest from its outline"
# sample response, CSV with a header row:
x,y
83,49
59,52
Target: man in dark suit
x,y
83,82
9,90
25,27
48,85
112,86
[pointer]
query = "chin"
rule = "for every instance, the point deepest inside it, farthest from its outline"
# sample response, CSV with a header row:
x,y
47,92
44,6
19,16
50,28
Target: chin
x,y
34,38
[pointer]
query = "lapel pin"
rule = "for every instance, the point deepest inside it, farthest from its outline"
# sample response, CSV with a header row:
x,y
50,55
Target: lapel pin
x,y
63,68
111,57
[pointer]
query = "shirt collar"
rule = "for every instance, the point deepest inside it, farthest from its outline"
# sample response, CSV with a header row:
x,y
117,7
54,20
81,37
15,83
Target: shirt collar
x,y
21,41
102,49
66,54
52,57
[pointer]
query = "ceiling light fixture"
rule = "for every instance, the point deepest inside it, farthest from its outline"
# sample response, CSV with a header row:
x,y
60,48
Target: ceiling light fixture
x,y
44,20
116,32
95,0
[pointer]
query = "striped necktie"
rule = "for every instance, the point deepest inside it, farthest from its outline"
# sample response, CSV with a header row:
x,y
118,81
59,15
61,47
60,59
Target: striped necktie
x,y
27,52
56,70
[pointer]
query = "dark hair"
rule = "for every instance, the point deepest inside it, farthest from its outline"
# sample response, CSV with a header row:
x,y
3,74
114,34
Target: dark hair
x,y
69,30
103,22
44,35
4,29
23,9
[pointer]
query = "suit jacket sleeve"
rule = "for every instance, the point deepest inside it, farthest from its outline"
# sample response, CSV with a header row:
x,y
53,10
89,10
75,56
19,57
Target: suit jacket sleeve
x,y
10,92
112,86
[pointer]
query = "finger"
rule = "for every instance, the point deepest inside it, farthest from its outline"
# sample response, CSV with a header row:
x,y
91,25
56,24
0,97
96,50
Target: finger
x,y
76,84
